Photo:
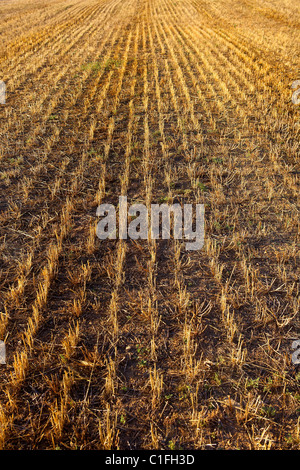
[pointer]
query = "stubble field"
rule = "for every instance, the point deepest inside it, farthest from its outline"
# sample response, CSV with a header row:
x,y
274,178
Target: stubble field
x,y
140,344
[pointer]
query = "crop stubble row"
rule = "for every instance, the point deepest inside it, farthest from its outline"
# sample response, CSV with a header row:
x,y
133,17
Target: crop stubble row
x,y
126,343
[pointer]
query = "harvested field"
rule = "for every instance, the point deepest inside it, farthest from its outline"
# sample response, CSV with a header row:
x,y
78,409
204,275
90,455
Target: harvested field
x,y
141,344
